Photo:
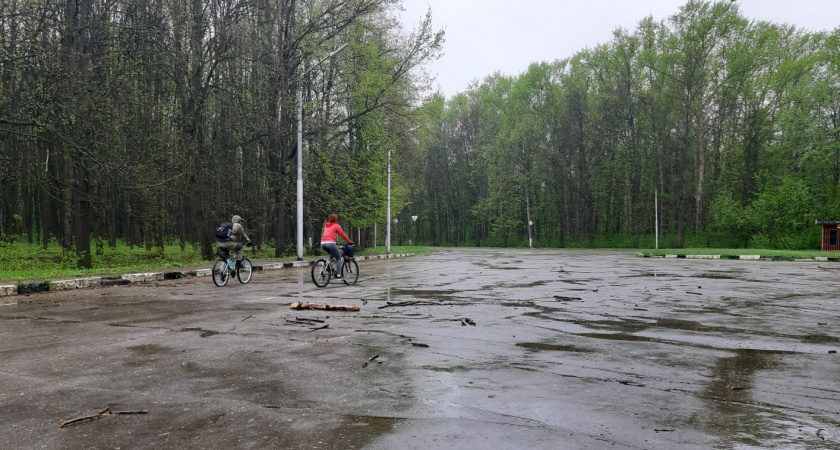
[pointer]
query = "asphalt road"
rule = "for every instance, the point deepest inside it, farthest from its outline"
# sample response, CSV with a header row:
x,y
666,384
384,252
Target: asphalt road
x,y
467,349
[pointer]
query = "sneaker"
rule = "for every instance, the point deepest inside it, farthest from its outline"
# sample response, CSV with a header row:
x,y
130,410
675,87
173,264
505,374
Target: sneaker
x,y
339,277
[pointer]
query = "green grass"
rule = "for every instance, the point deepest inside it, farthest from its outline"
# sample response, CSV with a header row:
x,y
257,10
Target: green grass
x,y
764,253
22,262
380,250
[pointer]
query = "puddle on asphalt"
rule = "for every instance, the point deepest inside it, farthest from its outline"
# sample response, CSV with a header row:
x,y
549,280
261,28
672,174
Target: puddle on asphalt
x,y
147,349
360,431
450,369
421,293
716,276
441,296
652,275
618,337
734,414
202,331
819,339
677,324
635,326
554,347
526,285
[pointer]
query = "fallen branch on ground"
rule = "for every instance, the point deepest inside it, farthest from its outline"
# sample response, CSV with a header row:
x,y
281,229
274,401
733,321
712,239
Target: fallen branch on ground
x,y
370,359
103,413
409,303
304,305
303,320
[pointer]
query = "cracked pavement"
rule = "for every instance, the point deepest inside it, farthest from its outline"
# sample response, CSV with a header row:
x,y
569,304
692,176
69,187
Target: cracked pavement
x,y
478,348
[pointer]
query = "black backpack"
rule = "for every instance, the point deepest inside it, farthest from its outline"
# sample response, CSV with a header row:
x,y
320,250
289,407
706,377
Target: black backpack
x,y
223,232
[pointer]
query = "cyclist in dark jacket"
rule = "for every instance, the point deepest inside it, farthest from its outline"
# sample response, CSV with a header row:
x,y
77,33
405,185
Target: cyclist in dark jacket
x,y
238,239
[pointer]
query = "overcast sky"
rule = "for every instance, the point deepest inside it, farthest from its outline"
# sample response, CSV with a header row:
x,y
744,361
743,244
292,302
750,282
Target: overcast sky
x,y
485,36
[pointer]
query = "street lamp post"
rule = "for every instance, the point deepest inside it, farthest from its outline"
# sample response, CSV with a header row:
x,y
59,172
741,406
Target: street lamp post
x,y
300,152
388,218
656,215
414,228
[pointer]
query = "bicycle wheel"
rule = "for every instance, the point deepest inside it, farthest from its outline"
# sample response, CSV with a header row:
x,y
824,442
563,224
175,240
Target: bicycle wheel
x,y
350,270
220,273
321,273
244,273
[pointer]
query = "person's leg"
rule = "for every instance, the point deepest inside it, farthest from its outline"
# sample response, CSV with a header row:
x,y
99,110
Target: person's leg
x,y
224,249
239,254
334,254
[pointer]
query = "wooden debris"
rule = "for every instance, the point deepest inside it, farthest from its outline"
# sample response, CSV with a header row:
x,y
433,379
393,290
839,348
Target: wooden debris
x,y
417,344
369,360
409,303
304,319
100,414
659,430
560,298
321,327
467,321
304,305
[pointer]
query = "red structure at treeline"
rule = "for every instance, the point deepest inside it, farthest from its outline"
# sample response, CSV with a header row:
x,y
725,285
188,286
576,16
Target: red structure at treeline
x,y
830,241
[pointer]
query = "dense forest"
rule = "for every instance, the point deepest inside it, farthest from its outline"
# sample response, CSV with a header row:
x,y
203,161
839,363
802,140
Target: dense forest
x,y
721,131
150,121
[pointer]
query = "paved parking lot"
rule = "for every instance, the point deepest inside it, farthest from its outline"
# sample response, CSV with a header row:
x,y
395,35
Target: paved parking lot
x,y
463,348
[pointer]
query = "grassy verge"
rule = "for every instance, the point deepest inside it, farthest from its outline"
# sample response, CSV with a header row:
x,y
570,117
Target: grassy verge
x,y
25,263
764,253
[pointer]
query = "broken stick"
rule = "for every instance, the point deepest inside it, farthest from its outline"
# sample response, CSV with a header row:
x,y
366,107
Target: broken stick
x,y
415,302
98,415
304,305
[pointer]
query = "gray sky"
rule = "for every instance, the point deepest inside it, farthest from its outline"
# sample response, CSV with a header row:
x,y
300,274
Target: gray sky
x,y
485,36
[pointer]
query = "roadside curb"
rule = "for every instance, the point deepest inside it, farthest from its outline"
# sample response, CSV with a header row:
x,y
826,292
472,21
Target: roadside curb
x,y
743,257
9,293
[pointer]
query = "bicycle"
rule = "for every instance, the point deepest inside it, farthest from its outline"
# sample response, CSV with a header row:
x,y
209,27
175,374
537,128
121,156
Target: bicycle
x,y
323,270
225,268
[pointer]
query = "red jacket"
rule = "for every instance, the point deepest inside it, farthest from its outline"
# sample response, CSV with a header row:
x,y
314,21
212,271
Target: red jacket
x,y
330,230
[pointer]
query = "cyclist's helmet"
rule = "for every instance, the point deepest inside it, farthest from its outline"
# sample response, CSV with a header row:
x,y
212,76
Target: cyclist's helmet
x,y
348,250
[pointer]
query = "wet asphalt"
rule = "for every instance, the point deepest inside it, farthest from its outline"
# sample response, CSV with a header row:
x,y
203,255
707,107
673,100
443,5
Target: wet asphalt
x,y
466,349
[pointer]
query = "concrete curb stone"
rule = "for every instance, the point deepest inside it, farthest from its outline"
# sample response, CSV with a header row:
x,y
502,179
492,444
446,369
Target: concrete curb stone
x,y
7,291
743,257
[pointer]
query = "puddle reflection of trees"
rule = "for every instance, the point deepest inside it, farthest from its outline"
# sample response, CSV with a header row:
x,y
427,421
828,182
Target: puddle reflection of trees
x,y
736,415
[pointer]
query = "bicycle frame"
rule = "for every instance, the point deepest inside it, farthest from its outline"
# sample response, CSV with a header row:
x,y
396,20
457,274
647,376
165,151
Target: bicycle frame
x,y
326,268
226,268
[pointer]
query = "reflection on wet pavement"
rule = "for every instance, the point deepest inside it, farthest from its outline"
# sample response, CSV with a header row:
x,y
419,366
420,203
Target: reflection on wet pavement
x,y
463,348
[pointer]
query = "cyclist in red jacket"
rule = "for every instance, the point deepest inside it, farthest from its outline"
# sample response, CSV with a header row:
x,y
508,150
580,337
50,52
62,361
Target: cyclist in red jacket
x,y
328,241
